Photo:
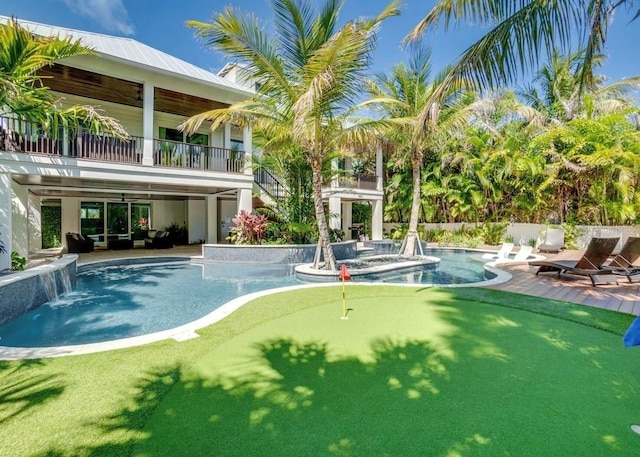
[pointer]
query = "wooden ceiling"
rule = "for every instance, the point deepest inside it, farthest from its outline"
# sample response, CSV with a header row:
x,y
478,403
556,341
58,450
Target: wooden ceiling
x,y
74,81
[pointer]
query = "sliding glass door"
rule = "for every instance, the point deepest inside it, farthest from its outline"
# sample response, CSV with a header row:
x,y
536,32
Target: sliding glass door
x,y
104,221
92,220
118,220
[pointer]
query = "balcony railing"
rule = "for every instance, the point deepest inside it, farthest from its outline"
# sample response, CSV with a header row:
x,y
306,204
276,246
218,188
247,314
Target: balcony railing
x,y
196,156
364,182
22,136
106,148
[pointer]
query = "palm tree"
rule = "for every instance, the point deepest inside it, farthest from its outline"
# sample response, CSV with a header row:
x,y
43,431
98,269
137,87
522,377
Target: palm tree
x,y
308,72
400,98
521,30
23,93
560,98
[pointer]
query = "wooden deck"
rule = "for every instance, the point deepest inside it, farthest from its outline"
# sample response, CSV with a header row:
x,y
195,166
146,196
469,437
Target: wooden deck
x,y
623,296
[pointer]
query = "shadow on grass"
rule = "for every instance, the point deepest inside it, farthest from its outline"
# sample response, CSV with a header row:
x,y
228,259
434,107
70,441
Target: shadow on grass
x,y
498,382
26,388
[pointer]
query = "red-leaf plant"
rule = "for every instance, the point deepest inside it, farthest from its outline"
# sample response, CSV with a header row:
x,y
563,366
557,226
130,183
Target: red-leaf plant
x,y
249,228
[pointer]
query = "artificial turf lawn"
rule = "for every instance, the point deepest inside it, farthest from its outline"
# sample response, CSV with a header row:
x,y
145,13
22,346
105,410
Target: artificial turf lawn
x,y
442,372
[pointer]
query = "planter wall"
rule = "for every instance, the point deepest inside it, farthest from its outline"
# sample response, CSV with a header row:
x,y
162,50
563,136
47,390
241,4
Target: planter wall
x,y
273,253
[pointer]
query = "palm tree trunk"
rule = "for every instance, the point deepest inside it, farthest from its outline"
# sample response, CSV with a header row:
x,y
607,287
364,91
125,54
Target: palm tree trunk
x,y
412,234
323,230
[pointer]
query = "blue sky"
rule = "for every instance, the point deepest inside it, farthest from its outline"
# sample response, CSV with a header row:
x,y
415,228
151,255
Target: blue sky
x,y
161,24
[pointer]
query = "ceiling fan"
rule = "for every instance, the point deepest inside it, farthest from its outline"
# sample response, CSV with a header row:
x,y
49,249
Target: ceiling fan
x,y
123,199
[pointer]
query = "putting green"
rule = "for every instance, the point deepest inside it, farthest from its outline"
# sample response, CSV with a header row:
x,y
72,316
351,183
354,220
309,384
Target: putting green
x,y
429,376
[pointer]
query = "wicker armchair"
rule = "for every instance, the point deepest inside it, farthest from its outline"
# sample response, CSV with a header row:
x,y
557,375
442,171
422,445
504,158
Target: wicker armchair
x,y
76,243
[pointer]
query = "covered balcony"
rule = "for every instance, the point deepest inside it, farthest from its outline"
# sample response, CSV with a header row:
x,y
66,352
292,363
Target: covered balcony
x,y
18,135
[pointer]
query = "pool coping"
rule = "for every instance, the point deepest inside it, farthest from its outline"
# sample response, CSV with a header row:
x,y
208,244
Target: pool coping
x,y
188,331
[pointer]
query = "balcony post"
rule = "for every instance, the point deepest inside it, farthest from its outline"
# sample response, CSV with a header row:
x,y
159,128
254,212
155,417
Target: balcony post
x,y
227,136
65,141
247,141
379,171
147,124
335,177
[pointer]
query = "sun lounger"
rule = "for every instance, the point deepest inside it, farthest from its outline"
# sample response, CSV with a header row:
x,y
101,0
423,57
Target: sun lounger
x,y
523,253
591,263
503,253
623,263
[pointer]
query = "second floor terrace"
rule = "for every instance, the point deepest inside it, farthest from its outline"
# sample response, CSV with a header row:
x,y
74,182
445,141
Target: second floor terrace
x,y
17,135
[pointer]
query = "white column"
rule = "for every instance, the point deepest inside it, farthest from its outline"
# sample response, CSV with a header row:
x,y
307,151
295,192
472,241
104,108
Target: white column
x,y
211,215
20,219
347,219
379,169
335,180
335,213
5,220
227,136
247,141
376,220
245,200
70,210
147,124
35,223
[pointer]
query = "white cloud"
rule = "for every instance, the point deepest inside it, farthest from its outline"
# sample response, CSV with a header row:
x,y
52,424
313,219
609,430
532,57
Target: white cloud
x,y
110,14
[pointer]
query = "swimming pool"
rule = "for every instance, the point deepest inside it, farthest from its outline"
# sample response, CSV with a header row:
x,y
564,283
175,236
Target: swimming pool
x,y
122,301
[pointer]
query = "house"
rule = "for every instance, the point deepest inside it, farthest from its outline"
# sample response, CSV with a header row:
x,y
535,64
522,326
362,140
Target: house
x,y
110,189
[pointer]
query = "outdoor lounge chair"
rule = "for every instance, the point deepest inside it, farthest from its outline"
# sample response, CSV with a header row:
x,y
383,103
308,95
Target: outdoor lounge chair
x,y
523,253
502,254
553,240
77,243
623,262
590,264
158,239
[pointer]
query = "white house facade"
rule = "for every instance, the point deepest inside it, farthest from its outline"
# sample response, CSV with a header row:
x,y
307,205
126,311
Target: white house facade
x,y
109,189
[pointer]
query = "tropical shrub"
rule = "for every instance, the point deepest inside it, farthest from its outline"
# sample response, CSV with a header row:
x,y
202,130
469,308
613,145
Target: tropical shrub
x,y
17,261
492,233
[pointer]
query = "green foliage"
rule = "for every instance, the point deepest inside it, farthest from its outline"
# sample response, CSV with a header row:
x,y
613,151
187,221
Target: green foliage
x,y
361,214
17,261
23,93
336,235
51,226
571,235
492,233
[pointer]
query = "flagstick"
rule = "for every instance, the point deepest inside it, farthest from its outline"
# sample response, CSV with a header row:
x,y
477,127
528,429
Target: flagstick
x,y
344,302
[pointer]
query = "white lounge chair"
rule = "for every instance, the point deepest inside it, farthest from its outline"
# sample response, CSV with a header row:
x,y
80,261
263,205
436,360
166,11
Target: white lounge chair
x,y
523,253
553,241
502,254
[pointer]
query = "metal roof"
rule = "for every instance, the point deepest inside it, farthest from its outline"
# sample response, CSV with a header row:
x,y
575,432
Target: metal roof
x,y
130,50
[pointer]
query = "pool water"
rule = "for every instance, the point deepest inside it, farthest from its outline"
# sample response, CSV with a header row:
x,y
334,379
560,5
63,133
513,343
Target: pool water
x,y
114,302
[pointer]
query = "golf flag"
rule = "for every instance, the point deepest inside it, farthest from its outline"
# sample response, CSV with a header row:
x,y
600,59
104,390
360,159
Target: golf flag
x,y
344,276
344,273
632,336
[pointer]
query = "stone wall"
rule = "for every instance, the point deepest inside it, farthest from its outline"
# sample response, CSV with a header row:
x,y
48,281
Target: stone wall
x,y
22,291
